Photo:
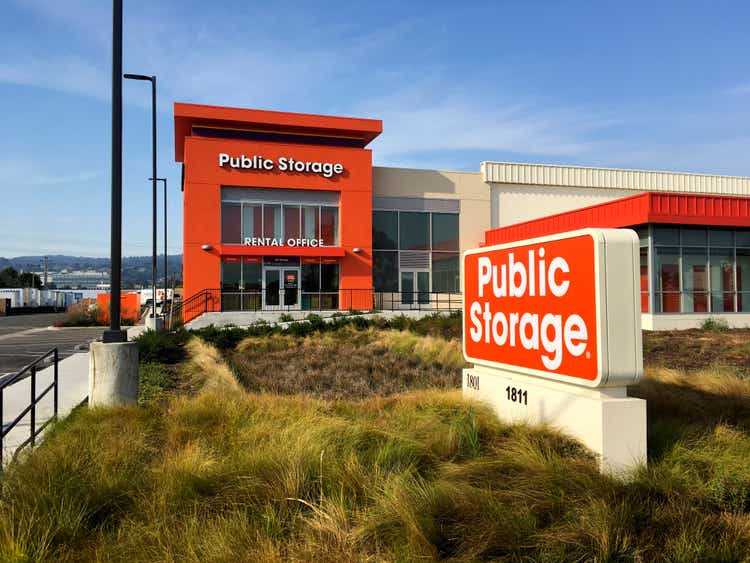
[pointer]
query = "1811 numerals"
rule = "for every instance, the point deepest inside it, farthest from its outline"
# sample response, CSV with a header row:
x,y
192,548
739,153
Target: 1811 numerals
x,y
516,395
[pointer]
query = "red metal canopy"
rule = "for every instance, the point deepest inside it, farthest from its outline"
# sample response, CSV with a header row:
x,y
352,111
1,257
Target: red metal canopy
x,y
649,207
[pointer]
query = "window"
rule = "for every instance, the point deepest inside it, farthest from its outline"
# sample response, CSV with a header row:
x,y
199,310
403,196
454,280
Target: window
x,y
694,280
721,237
252,221
445,271
272,221
231,223
743,280
291,222
251,276
667,280
644,279
445,231
329,226
385,271
694,237
385,230
310,222
329,277
414,231
666,235
310,277
722,280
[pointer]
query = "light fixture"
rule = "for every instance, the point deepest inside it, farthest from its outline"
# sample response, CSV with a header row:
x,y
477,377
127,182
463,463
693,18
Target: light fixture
x,y
357,250
206,247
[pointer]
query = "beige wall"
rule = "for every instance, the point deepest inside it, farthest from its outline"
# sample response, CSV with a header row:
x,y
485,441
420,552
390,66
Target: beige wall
x,y
515,203
467,187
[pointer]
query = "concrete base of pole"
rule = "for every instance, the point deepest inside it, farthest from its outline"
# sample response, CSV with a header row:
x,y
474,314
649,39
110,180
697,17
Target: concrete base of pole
x,y
154,323
113,373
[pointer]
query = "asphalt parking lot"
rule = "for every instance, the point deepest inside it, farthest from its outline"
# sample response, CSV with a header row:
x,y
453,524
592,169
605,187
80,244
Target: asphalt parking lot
x,y
25,337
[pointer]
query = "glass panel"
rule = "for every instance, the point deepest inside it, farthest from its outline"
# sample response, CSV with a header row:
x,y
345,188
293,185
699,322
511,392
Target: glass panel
x,y
251,276
445,271
231,273
252,221
743,269
310,277
291,222
414,231
743,237
644,280
721,237
272,288
310,222
231,223
329,301
722,279
445,231
272,221
642,233
423,287
329,226
291,287
385,271
407,288
329,277
743,302
385,230
694,280
311,301
694,236
666,235
667,280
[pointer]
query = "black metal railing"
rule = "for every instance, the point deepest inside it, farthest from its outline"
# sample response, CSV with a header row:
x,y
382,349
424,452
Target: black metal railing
x,y
292,300
29,372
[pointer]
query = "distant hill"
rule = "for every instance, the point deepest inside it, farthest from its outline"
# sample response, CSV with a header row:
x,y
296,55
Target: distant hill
x,y
136,270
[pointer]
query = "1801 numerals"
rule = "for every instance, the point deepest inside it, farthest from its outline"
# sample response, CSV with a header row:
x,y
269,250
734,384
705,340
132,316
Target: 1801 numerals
x,y
517,395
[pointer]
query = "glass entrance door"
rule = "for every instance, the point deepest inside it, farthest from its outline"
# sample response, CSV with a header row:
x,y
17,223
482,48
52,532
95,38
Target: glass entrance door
x,y
415,287
281,289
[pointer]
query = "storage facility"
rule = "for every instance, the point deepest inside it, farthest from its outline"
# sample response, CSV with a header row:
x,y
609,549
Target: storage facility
x,y
285,211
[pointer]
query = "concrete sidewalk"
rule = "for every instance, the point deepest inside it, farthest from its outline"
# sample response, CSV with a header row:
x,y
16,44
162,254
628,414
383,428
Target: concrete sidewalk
x,y
73,378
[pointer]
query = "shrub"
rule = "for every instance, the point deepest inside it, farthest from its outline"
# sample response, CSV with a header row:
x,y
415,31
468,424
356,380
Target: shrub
x,y
162,346
285,318
715,325
83,313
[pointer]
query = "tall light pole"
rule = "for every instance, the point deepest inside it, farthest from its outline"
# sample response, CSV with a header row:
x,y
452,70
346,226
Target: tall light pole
x,y
151,79
115,333
165,243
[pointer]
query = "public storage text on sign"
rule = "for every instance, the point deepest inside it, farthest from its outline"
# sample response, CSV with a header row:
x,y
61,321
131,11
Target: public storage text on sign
x,y
548,307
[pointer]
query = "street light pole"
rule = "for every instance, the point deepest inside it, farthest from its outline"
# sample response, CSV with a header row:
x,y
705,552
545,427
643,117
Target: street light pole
x,y
115,333
151,79
165,243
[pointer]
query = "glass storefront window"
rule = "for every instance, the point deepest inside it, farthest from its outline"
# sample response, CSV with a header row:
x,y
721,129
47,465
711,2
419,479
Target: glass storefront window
x,y
310,222
644,279
252,221
329,277
721,237
667,280
385,230
385,271
694,280
291,222
272,221
694,236
231,275
310,277
666,235
722,279
742,237
414,231
445,271
445,231
251,276
329,226
231,223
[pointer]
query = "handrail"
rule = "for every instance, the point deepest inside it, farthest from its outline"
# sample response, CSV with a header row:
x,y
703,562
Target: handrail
x,y
29,371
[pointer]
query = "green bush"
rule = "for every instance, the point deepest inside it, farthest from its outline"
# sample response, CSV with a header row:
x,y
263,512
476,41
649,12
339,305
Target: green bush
x,y
715,325
167,347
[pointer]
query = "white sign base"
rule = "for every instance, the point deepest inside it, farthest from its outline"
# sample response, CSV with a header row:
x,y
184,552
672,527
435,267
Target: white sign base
x,y
607,421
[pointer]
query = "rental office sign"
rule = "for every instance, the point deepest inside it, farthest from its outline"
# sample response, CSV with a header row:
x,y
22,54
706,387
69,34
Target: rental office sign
x,y
561,308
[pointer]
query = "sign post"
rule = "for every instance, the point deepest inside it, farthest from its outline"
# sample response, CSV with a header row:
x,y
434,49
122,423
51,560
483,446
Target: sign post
x,y
552,326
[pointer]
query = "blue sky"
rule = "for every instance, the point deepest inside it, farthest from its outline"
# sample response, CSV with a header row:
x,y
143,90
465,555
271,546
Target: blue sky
x,y
654,84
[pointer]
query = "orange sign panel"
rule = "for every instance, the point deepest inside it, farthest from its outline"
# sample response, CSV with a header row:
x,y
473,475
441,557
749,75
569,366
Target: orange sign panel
x,y
540,307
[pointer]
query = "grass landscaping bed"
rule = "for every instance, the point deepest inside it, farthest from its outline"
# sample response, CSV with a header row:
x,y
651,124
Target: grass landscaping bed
x,y
299,447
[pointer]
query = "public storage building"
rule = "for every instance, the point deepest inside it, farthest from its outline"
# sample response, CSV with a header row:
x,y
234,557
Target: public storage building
x,y
285,212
